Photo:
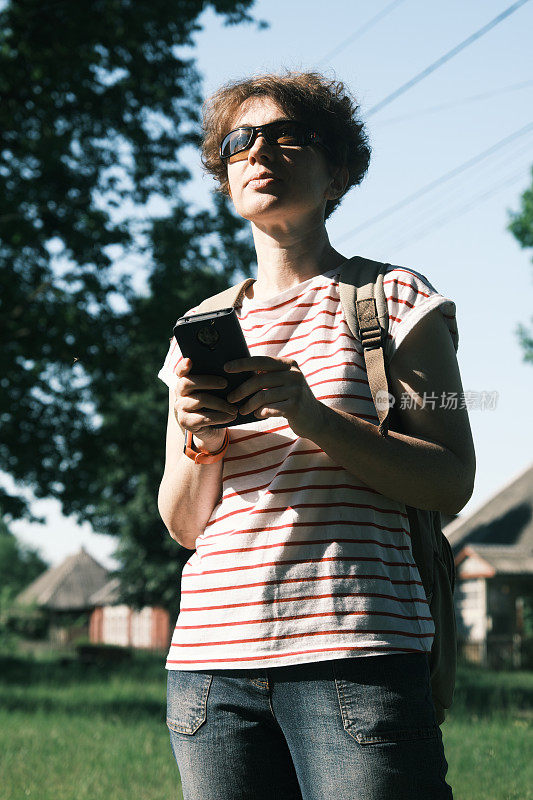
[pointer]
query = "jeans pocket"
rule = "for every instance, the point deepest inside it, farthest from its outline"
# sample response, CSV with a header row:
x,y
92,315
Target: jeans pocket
x,y
187,694
386,698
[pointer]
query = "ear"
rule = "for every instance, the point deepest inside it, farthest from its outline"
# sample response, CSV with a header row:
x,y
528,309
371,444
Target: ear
x,y
337,184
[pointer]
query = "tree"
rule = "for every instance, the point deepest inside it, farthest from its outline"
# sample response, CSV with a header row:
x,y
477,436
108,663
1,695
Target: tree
x,y
96,107
115,482
19,565
521,226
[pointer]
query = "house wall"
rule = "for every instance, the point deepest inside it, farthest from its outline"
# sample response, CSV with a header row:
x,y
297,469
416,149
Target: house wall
x,y
471,608
490,624
501,608
161,632
506,594
116,625
141,627
121,625
96,625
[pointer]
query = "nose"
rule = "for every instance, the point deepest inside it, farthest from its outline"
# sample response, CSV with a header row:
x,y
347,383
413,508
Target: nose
x,y
259,150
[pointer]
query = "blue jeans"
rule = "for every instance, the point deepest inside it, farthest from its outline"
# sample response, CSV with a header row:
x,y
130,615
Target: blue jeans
x,y
348,729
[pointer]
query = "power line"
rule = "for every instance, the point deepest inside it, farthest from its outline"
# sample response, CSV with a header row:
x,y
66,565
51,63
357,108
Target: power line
x,y
409,218
433,184
446,57
426,215
359,32
455,103
459,210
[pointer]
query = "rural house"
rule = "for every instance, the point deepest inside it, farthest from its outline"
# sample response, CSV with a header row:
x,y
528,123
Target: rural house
x,y
115,623
81,601
493,549
63,593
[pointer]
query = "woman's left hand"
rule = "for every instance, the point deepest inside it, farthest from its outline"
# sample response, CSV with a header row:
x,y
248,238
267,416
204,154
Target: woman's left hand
x,y
279,389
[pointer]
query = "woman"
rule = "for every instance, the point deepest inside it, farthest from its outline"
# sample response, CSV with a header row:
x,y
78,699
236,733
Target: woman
x,y
298,667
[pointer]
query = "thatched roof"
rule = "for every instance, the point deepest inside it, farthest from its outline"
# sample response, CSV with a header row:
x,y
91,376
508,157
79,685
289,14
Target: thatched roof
x,y
67,586
108,595
501,531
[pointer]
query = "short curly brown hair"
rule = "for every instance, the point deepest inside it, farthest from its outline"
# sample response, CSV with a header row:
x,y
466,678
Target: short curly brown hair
x,y
325,105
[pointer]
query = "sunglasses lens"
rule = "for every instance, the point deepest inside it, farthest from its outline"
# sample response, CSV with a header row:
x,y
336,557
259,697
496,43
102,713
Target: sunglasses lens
x,y
234,142
286,133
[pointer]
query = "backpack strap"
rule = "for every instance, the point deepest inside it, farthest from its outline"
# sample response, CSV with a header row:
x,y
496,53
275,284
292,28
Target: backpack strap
x,y
365,308
227,299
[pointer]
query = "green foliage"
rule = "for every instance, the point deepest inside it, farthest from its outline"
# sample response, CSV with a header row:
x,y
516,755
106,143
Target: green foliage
x,y
486,692
19,564
521,226
114,486
102,654
19,621
96,108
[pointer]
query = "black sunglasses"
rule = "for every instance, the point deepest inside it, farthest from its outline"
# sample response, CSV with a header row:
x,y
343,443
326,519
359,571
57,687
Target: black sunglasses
x,y
282,132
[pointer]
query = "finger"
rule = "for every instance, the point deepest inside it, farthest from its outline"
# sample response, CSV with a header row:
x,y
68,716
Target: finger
x,y
264,398
195,422
193,383
184,366
263,381
258,364
273,410
260,382
208,401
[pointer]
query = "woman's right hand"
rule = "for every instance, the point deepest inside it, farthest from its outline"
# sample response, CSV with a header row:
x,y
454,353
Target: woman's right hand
x,y
197,410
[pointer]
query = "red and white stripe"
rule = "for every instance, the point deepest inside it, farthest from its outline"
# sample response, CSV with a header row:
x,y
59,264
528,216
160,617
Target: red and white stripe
x,y
300,560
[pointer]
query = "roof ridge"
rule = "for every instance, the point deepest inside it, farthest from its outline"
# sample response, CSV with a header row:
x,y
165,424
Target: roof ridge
x,y
508,548
459,521
50,585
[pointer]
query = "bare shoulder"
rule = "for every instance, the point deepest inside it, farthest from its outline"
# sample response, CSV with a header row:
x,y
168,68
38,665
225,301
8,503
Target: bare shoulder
x,y
424,378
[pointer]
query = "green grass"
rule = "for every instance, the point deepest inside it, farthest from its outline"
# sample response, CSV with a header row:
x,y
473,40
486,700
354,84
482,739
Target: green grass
x,y
73,732
488,735
69,732
489,759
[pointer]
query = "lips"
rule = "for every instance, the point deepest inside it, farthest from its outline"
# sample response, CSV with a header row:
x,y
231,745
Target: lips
x,y
261,176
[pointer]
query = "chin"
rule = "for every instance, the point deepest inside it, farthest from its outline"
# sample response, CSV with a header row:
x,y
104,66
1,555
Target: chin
x,y
262,208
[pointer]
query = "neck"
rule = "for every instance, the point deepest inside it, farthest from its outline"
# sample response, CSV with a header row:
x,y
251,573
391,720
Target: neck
x,y
285,258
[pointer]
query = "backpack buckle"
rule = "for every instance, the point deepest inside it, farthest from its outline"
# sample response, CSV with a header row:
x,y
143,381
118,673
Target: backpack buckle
x,y
371,338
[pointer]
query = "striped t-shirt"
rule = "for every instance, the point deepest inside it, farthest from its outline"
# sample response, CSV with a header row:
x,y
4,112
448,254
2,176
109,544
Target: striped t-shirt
x,y
300,560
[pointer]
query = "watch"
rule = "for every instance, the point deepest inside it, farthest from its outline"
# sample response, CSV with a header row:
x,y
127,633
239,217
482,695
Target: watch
x,y
203,456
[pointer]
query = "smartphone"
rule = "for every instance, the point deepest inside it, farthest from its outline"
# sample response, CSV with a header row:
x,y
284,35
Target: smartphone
x,y
210,340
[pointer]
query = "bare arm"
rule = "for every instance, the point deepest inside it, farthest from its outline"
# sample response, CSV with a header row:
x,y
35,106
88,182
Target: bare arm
x,y
188,492
432,465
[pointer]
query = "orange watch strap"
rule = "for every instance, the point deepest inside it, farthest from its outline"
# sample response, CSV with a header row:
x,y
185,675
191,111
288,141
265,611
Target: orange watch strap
x,y
202,456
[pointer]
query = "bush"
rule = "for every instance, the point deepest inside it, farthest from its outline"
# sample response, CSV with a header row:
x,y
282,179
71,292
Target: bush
x,y
18,621
102,654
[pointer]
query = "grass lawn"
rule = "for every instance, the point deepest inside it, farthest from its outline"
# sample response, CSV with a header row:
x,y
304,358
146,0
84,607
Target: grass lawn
x,y
489,759
72,732
69,732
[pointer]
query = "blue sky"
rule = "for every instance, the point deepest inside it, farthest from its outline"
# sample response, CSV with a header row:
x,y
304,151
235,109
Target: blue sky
x,y
455,234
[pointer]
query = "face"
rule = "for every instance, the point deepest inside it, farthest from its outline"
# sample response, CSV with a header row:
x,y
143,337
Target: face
x,y
274,184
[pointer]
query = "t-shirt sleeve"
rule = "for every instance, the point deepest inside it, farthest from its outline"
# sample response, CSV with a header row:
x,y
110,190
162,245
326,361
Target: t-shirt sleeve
x,y
410,296
167,373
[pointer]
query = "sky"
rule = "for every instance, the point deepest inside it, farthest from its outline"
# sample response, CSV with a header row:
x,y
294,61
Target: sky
x,y
454,233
